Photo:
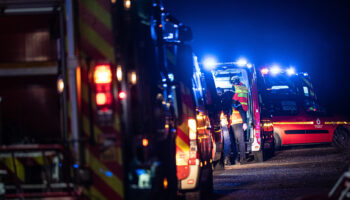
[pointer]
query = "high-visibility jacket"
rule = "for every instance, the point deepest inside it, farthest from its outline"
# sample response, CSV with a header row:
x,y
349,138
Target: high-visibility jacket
x,y
236,117
241,95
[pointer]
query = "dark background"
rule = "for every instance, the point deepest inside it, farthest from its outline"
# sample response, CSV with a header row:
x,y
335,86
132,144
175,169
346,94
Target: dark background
x,y
313,36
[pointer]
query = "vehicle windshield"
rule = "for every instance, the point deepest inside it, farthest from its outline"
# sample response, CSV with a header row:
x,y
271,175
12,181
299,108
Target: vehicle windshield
x,y
284,93
280,85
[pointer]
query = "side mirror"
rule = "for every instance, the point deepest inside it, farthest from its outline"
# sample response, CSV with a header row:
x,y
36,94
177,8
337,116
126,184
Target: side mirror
x,y
185,34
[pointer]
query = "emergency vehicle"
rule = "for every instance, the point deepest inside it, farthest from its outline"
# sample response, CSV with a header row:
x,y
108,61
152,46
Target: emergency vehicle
x,y
100,99
259,135
297,116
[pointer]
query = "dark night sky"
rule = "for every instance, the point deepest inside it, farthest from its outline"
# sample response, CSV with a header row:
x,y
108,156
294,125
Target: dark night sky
x,y
313,36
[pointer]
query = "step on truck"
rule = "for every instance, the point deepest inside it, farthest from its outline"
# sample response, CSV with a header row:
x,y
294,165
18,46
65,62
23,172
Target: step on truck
x,y
100,99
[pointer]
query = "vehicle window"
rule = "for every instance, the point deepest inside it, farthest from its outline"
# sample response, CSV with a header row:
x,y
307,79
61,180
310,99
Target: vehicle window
x,y
313,108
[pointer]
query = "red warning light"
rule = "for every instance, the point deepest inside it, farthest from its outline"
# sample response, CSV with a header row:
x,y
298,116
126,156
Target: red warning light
x,y
122,95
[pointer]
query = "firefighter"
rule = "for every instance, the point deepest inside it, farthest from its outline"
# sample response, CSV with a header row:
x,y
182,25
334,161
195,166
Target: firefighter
x,y
238,118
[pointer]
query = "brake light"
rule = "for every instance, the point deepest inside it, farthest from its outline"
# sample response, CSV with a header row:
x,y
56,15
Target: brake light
x,y
102,77
103,74
268,127
192,126
192,129
103,99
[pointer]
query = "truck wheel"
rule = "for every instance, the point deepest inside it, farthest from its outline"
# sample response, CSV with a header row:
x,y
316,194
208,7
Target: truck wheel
x,y
341,138
259,156
278,141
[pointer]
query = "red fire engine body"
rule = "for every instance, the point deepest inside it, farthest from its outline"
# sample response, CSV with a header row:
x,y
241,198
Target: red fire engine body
x,y
296,114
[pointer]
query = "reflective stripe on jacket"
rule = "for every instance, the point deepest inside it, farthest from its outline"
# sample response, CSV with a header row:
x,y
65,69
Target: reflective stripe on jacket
x,y
236,117
241,95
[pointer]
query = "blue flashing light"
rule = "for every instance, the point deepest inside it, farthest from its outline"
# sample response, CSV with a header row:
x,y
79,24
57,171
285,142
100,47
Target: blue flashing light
x,y
154,4
169,37
209,63
275,69
165,85
164,79
76,166
60,164
305,74
175,25
242,62
139,172
290,71
109,174
249,65
171,77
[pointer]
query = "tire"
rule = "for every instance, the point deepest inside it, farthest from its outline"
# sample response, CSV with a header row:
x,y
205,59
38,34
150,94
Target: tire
x,y
278,141
341,138
259,156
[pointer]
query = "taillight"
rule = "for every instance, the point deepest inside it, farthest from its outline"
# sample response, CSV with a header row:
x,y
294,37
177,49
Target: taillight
x,y
192,126
103,99
102,74
103,87
192,129
268,127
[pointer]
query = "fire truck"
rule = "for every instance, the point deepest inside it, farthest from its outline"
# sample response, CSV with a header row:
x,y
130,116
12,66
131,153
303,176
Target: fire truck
x,y
101,99
297,116
259,141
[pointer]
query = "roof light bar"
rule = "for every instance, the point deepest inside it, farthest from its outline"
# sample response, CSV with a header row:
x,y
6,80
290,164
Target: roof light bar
x,y
275,69
242,62
209,63
290,71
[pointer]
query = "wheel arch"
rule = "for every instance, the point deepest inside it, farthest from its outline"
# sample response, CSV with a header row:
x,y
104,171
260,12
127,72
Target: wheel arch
x,y
277,138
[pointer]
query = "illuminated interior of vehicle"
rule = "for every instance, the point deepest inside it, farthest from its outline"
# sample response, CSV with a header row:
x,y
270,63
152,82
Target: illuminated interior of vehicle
x,y
223,75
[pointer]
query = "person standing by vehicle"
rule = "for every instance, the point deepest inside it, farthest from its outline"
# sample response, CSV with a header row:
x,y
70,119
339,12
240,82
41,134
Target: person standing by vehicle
x,y
239,118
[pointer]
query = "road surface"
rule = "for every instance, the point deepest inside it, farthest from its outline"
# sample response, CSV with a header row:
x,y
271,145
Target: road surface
x,y
289,174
